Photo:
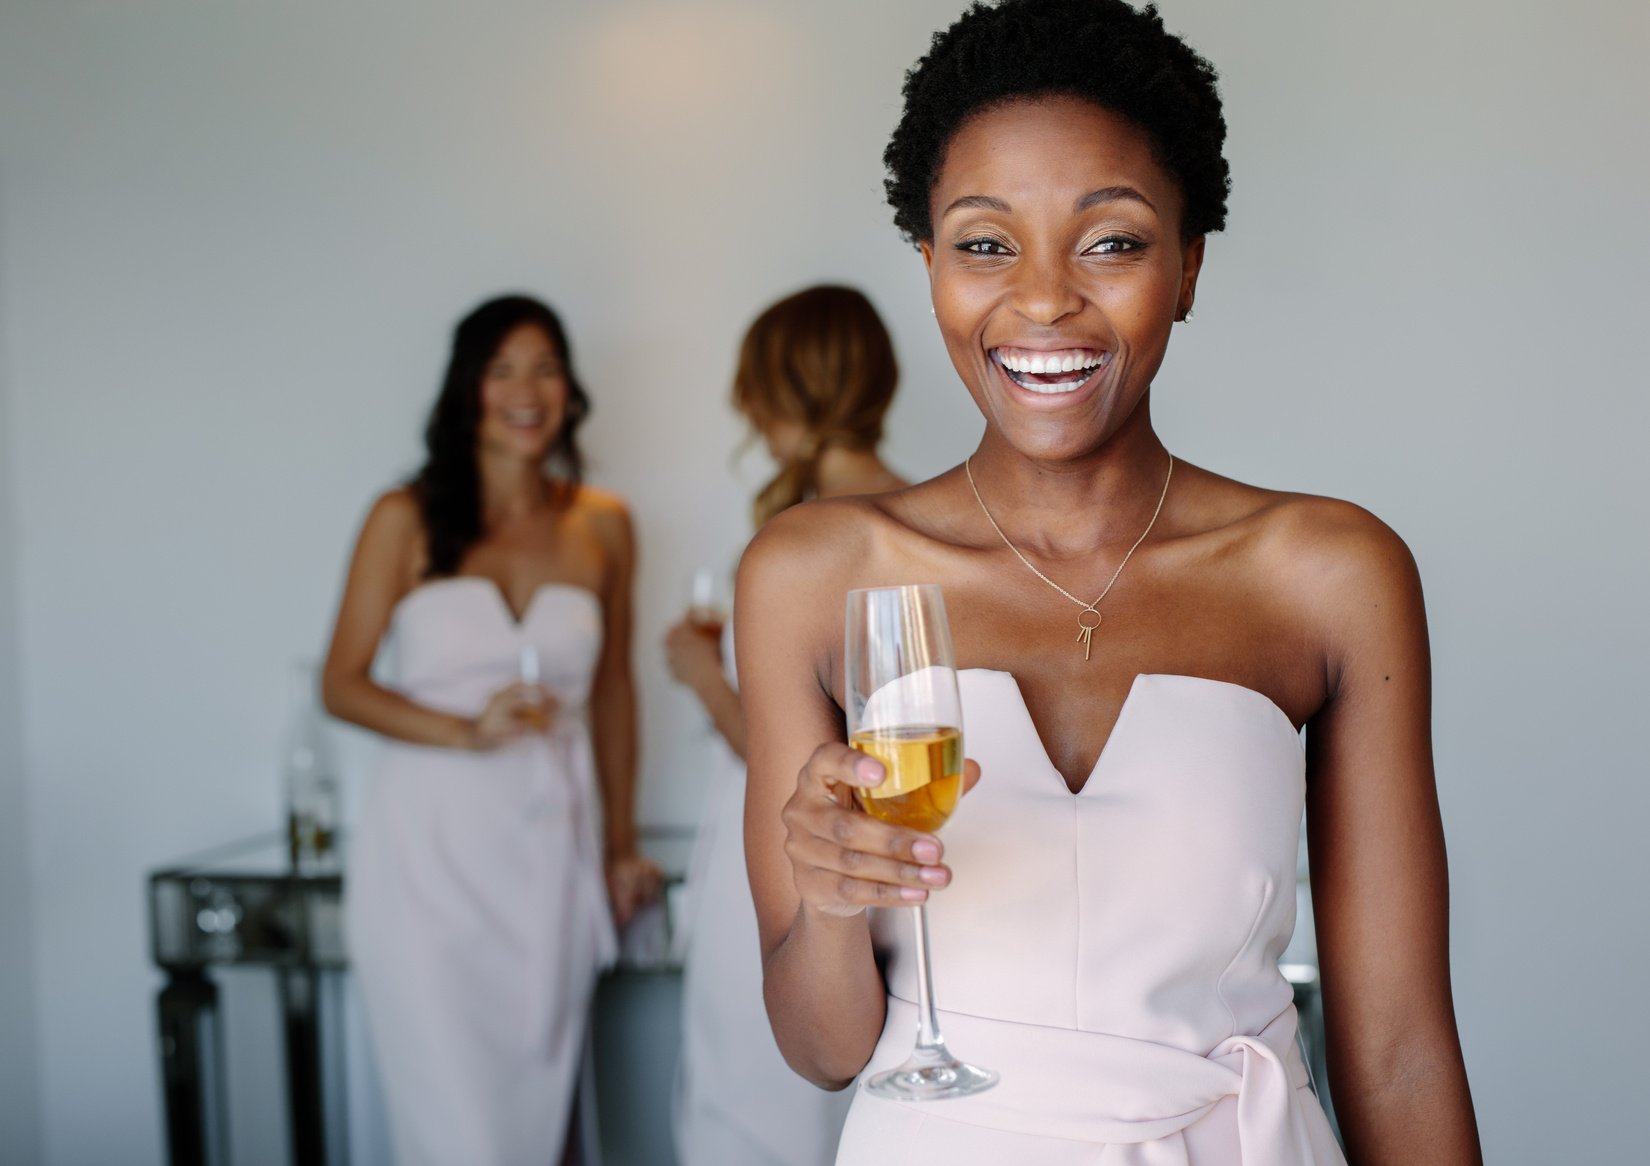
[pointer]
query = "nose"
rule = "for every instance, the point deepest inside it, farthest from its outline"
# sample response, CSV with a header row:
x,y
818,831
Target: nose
x,y
1043,291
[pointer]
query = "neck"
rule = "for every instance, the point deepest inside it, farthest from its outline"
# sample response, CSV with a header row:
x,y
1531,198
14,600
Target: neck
x,y
510,487
851,471
1071,509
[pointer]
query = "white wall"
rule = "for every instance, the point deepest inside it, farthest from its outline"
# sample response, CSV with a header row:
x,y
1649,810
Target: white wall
x,y
235,237
19,1100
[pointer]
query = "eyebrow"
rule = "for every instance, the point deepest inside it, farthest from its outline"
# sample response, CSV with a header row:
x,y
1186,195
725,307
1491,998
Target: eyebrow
x,y
979,201
1112,194
1092,199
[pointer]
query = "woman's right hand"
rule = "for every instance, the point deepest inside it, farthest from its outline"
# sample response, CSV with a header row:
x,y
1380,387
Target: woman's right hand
x,y
512,711
843,859
694,658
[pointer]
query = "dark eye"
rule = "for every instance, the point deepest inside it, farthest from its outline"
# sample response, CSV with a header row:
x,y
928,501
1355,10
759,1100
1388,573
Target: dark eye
x,y
1113,244
982,246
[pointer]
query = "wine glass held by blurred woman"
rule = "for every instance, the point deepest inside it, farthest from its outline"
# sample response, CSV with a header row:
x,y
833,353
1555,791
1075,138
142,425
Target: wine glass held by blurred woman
x,y
1139,641
815,378
497,847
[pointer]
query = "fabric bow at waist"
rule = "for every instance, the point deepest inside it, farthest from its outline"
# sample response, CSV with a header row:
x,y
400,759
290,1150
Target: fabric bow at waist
x,y
1105,1089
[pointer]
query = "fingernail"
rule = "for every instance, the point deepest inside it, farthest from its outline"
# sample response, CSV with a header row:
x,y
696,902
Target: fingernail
x,y
869,771
925,850
913,894
935,875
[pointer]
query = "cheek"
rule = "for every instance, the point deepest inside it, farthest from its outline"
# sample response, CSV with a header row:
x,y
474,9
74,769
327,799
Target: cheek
x,y
962,309
1141,306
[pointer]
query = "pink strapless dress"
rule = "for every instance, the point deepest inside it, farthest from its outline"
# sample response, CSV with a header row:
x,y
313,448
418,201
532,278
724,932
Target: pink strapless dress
x,y
1112,953
476,908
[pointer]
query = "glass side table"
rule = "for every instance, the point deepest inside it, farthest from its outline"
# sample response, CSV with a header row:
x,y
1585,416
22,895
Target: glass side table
x,y
246,904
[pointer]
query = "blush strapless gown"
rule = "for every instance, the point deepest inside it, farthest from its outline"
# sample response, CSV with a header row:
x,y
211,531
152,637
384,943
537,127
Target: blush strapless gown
x,y
1112,953
476,908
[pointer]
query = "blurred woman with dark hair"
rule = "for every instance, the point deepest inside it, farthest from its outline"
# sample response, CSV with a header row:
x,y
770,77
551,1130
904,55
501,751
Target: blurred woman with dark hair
x,y
477,915
816,375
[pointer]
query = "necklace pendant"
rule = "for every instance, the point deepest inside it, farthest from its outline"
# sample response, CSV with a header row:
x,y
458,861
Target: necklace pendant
x,y
1085,631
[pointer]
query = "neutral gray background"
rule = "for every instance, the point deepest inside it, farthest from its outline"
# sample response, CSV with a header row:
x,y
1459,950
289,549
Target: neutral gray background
x,y
233,237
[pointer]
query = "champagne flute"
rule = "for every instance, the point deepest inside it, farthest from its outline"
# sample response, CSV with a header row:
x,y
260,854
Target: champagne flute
x,y
900,684
707,610
537,714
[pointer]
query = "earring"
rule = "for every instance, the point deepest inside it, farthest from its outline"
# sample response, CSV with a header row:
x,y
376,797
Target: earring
x,y
932,311
1188,316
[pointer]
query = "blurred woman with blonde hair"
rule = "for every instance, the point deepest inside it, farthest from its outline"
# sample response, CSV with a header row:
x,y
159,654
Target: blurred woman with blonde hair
x,y
816,375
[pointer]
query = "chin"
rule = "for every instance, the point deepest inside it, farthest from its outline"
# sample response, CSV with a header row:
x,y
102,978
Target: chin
x,y
1047,439
531,449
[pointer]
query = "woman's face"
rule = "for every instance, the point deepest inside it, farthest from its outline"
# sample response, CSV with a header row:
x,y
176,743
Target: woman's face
x,y
523,395
1057,270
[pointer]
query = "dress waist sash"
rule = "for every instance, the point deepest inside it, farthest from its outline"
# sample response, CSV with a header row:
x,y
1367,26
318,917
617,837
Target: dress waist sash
x,y
1104,1089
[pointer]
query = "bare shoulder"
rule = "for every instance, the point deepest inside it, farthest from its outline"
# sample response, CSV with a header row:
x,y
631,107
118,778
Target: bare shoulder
x,y
822,544
868,540
396,512
1308,545
597,502
606,514
392,549
1345,576
393,533
792,578
1332,555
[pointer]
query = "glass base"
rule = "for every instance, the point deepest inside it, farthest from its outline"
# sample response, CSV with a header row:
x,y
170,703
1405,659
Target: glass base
x,y
930,1075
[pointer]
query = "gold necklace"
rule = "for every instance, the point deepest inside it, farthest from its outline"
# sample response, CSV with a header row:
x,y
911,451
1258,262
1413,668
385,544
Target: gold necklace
x,y
1085,630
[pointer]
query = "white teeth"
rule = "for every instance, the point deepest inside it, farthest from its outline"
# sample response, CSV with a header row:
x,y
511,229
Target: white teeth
x,y
1046,363
1081,361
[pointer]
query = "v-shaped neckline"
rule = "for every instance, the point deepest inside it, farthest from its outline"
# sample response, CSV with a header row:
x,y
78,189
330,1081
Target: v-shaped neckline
x,y
501,601
1122,717
1042,746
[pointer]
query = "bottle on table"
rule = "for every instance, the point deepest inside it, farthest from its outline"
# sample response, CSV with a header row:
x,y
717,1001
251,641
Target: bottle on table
x,y
310,776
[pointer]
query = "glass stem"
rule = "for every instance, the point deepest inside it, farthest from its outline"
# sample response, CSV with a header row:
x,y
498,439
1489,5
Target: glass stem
x,y
928,1024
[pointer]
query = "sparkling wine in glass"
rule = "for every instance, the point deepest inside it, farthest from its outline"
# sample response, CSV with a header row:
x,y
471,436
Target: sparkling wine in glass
x,y
536,715
900,681
707,607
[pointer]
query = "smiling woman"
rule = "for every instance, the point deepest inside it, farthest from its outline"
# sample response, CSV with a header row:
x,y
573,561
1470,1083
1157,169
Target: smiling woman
x,y
1123,866
482,893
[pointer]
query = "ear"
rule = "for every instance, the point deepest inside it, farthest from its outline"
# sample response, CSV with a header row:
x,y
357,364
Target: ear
x,y
1191,262
927,249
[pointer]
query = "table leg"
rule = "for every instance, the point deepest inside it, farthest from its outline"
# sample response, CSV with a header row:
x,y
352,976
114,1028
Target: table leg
x,y
190,1053
300,992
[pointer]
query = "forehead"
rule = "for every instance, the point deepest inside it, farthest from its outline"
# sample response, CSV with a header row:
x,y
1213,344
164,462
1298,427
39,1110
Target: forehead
x,y
1033,150
525,340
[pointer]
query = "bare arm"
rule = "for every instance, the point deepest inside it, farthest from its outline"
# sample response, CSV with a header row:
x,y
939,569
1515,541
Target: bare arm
x,y
696,661
815,862
1379,881
378,578
632,880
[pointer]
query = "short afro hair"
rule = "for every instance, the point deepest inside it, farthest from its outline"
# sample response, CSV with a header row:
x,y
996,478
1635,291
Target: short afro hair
x,y
1100,51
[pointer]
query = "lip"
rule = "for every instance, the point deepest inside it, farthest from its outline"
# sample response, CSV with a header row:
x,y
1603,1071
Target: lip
x,y
1049,402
